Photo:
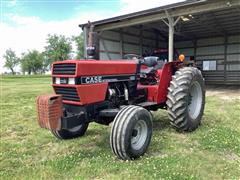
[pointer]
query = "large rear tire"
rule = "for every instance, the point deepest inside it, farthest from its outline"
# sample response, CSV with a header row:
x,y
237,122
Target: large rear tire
x,y
71,133
186,99
131,132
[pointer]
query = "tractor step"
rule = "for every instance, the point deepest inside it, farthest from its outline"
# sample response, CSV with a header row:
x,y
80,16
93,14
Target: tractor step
x,y
109,112
146,104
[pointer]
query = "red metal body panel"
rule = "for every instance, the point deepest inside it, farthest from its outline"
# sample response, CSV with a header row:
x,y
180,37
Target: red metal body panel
x,y
158,93
165,78
49,108
103,67
94,93
152,93
88,94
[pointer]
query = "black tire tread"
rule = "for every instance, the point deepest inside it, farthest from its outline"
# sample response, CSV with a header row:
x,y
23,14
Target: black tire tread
x,y
120,124
65,134
116,145
177,95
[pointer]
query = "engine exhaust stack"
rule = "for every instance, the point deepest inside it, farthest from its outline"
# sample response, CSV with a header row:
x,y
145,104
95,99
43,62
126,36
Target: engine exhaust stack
x,y
92,47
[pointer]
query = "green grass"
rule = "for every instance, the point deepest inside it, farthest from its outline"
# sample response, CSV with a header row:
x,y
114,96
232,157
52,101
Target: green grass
x,y
28,152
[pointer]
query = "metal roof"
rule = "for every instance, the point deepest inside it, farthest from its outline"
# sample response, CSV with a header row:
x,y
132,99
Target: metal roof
x,y
143,13
202,18
213,23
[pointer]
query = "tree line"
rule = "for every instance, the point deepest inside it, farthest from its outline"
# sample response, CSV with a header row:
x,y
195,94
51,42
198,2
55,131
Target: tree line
x,y
58,48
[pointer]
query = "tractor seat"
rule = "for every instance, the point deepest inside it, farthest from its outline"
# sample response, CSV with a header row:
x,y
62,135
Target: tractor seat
x,y
159,65
152,64
150,61
147,70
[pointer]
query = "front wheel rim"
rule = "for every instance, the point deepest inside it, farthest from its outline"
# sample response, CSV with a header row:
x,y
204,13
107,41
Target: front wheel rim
x,y
139,135
195,100
75,129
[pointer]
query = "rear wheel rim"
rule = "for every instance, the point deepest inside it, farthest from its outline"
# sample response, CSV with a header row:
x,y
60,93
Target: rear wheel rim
x,y
195,102
139,135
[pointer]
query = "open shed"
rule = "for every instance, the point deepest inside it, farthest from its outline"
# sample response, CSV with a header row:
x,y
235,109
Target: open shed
x,y
206,30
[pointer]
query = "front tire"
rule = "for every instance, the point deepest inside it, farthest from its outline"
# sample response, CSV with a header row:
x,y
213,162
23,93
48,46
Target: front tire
x,y
131,132
71,133
186,99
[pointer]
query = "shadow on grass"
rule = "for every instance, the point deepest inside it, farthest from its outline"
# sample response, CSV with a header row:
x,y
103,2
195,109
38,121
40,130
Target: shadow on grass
x,y
102,134
161,125
160,120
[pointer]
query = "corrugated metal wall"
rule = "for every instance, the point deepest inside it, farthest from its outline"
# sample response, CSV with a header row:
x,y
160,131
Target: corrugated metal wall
x,y
224,50
115,44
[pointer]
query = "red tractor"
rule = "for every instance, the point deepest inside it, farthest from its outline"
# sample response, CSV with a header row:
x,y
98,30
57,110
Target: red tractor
x,y
121,92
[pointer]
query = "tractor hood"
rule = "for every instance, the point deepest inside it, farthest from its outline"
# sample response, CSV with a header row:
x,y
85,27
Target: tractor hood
x,y
77,68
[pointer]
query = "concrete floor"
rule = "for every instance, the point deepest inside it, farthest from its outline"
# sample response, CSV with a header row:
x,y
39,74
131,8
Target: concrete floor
x,y
224,92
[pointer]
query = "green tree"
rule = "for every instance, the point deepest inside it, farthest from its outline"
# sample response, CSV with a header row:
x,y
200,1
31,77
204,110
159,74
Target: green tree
x,y
58,48
11,60
79,40
25,64
32,62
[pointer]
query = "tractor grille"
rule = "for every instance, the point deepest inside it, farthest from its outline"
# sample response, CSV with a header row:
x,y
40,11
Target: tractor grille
x,y
68,93
68,69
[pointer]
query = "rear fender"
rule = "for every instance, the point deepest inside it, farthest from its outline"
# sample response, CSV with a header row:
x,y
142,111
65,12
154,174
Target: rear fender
x,y
165,79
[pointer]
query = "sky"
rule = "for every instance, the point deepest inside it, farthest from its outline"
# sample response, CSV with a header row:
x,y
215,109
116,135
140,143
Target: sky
x,y
25,24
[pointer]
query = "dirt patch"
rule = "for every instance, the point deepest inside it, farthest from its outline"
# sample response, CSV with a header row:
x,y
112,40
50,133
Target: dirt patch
x,y
224,92
232,156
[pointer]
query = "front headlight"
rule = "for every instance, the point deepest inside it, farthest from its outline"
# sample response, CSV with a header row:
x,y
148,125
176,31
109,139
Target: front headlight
x,y
71,80
57,80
